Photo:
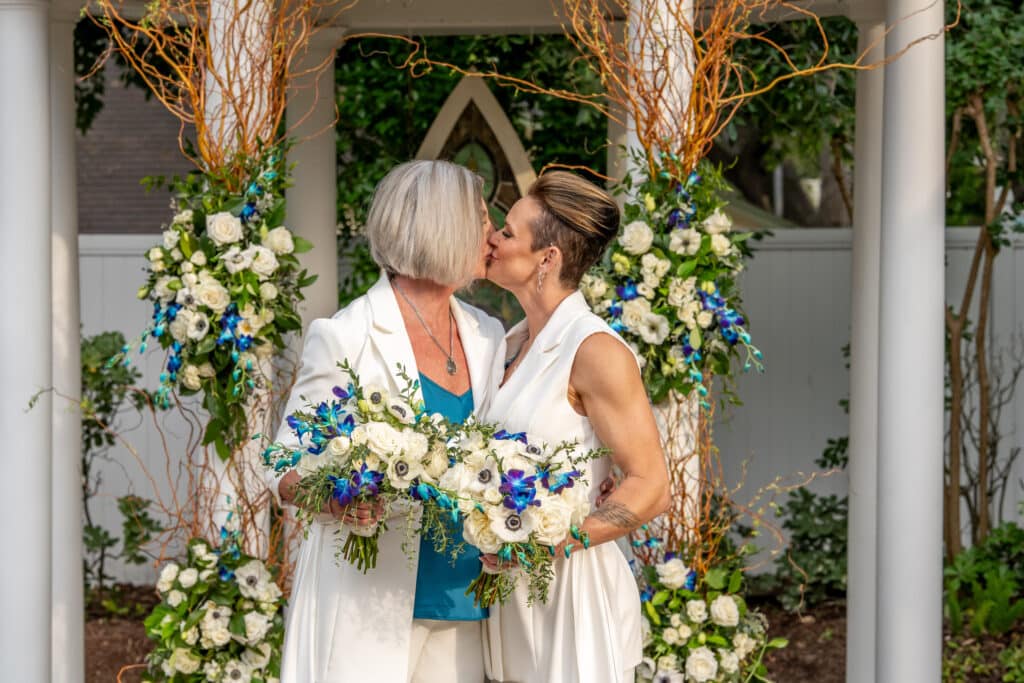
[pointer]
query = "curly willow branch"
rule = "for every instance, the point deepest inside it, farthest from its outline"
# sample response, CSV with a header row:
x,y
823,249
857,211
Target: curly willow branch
x,y
223,69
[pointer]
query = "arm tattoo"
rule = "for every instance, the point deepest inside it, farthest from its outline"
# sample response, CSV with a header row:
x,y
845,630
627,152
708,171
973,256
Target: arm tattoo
x,y
616,514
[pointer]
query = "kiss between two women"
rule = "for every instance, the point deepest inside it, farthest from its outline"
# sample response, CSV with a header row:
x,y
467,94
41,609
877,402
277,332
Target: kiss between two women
x,y
561,374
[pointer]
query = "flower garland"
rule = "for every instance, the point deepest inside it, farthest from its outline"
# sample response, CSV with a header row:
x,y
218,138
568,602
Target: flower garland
x,y
225,285
668,283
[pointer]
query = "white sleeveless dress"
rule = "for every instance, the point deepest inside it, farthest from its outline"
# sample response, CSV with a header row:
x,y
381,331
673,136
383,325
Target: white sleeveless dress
x,y
589,630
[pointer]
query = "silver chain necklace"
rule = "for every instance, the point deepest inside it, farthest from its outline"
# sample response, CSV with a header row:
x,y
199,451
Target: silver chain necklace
x,y
450,366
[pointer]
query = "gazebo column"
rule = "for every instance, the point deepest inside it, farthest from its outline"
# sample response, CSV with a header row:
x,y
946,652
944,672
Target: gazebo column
x,y
863,464
313,198
908,638
25,346
68,594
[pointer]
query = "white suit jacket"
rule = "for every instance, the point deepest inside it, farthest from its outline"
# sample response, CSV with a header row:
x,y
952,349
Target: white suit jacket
x,y
343,625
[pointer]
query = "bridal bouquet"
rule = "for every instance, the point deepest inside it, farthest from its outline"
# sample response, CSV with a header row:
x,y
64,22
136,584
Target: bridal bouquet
x,y
225,284
219,619
365,446
668,283
519,501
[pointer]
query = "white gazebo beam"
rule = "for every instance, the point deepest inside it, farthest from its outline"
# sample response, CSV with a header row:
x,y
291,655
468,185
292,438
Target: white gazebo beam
x,y
312,200
908,638
863,462
25,346
68,592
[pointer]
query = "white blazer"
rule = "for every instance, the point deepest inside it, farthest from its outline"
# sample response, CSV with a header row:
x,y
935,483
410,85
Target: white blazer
x,y
341,625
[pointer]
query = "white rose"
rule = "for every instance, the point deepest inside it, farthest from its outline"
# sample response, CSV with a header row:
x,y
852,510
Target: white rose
x,y
729,661
550,521
198,258
184,661
593,287
477,531
636,238
167,576
223,228
697,611
258,657
279,240
175,598
339,446
717,223
685,242
743,645
268,291
721,245
212,671
508,525
668,663
190,280
684,632
646,290
675,619
416,445
163,290
701,665
382,438
188,577
176,254
213,295
236,260
171,238
256,627
704,319
680,290
688,313
671,636
183,217
264,263
157,266
437,464
724,611
653,328
672,574
190,636
190,378
155,254
633,312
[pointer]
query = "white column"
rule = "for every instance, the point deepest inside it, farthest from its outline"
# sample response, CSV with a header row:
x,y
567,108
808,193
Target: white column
x,y
863,464
312,201
25,345
910,397
68,594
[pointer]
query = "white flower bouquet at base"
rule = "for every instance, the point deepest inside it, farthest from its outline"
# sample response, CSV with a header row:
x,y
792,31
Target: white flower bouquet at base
x,y
219,619
364,446
520,501
700,628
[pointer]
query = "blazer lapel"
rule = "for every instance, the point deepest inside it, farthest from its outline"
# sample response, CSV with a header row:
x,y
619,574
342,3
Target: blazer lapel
x,y
480,353
388,334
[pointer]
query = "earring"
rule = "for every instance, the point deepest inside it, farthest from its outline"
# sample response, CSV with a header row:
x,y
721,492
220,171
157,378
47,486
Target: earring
x,y
540,279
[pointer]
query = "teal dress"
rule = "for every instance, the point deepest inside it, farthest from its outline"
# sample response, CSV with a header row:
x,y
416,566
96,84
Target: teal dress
x,y
440,584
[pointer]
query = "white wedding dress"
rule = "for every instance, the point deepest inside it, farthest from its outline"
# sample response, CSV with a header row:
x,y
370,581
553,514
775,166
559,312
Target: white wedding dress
x,y
590,628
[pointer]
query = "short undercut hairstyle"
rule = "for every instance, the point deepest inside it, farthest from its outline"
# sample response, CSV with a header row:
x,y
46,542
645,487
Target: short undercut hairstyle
x,y
426,222
578,217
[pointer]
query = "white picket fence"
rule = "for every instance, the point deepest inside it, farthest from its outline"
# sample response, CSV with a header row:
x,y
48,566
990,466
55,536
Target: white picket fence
x,y
797,294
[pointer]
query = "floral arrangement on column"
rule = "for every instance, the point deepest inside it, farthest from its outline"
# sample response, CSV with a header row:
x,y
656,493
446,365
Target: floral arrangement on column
x,y
225,284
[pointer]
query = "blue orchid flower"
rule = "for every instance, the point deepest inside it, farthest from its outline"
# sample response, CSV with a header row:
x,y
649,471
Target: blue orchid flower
x,y
615,309
510,436
627,292
519,490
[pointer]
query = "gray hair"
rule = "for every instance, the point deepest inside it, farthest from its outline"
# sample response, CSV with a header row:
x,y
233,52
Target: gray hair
x,y
426,222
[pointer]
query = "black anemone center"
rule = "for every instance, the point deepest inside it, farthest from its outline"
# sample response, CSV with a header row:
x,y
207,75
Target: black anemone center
x,y
235,675
484,477
401,468
533,450
251,580
375,397
215,614
513,523
398,410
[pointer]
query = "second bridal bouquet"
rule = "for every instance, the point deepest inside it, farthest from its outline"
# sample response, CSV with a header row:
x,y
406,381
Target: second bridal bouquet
x,y
519,500
365,445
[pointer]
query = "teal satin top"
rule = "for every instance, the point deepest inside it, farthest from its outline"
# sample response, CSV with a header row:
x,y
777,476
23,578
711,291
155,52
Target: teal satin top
x,y
441,584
